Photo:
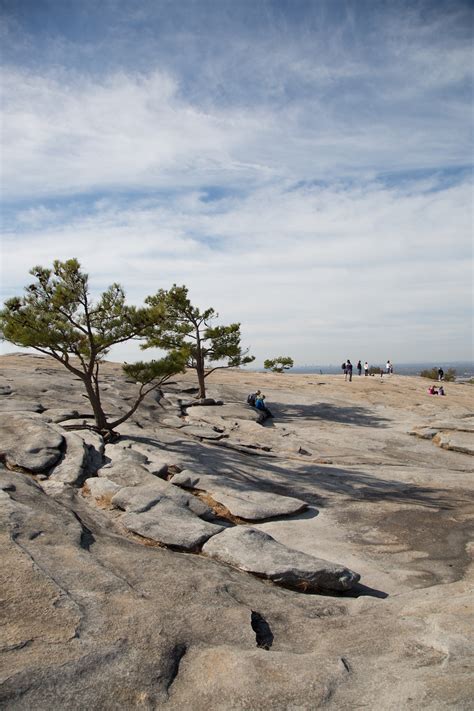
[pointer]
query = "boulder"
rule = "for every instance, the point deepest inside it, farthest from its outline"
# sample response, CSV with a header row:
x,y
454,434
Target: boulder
x,y
28,442
170,524
142,498
241,501
257,552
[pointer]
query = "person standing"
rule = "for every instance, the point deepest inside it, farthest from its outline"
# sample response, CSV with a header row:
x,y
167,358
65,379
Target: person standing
x,y
349,370
344,369
440,373
388,367
366,368
359,367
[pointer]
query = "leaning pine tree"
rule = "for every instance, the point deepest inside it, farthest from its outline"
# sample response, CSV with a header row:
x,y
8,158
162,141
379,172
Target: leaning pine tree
x,y
188,330
57,317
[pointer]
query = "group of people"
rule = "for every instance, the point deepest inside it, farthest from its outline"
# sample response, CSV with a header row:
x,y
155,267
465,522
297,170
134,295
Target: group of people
x,y
257,400
347,369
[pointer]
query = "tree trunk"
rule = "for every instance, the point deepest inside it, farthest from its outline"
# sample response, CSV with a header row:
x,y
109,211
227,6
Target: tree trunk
x,y
201,380
99,415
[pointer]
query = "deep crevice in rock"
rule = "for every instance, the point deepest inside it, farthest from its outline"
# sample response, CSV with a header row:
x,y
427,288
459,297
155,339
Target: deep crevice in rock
x,y
263,633
87,537
176,656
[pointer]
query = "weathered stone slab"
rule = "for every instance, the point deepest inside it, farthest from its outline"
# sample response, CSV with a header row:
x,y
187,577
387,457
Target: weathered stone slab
x,y
257,552
202,431
154,459
127,472
10,404
173,421
229,411
423,432
61,415
71,468
462,425
456,441
117,453
142,498
101,487
28,442
241,501
169,523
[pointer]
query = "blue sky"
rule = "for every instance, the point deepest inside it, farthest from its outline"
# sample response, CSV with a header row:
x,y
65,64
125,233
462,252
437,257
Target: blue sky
x,y
305,167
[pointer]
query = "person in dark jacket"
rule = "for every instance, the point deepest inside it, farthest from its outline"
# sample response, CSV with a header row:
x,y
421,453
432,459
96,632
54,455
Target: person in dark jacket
x,y
349,369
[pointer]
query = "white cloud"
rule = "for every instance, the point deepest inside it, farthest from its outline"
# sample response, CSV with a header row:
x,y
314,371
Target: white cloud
x,y
307,244
308,266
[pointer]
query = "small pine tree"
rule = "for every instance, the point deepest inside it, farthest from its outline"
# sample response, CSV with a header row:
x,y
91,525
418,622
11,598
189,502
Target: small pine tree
x,y
278,365
187,330
57,317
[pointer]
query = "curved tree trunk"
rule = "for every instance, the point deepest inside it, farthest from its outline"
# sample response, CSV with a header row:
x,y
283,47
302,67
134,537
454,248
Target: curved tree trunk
x,y
99,415
201,381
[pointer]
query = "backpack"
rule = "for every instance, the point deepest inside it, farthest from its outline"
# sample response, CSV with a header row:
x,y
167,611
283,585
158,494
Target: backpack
x,y
251,399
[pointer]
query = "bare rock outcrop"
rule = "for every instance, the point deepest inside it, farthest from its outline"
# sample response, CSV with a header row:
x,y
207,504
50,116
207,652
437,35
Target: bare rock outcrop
x,y
28,442
239,498
259,553
169,523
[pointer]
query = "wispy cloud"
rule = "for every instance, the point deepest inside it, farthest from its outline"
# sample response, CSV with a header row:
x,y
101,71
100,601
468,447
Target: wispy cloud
x,y
301,167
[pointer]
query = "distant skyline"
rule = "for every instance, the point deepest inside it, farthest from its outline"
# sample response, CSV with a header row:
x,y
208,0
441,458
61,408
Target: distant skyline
x,y
303,166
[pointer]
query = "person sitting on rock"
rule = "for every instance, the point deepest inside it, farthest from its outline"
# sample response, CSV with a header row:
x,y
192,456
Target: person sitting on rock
x,y
432,390
441,390
252,397
260,405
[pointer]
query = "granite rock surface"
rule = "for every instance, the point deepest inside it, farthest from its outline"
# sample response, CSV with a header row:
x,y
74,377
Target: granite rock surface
x,y
97,615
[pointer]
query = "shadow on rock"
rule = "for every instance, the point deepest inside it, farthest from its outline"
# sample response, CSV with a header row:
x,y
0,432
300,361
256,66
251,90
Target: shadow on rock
x,y
361,416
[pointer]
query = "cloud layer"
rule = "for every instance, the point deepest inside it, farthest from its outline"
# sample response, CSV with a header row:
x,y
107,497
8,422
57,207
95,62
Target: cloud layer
x,y
306,175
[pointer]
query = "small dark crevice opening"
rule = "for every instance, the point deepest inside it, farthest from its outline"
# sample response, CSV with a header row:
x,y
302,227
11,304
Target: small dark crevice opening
x,y
178,653
87,537
263,633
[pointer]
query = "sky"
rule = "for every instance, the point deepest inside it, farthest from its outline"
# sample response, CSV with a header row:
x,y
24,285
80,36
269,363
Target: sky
x,y
302,166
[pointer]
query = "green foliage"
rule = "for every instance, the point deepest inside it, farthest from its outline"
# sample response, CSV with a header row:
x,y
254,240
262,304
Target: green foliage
x,y
146,372
375,370
182,327
57,317
278,365
432,374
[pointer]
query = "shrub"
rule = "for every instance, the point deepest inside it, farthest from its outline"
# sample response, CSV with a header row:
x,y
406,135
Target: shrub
x,y
432,374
